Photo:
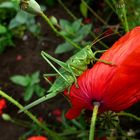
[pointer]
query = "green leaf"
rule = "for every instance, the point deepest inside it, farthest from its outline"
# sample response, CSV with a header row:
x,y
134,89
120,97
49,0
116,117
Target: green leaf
x,y
78,38
76,25
84,30
35,28
83,9
39,90
28,93
21,18
63,33
3,29
35,78
64,23
7,5
14,23
20,80
64,47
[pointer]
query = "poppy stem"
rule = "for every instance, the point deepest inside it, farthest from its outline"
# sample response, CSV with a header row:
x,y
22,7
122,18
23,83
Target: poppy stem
x,y
129,115
52,134
93,120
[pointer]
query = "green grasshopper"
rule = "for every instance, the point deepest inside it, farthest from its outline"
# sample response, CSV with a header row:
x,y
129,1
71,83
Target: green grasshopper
x,y
68,72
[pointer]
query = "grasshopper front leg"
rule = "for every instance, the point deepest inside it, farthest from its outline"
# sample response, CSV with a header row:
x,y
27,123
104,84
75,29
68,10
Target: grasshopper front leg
x,y
45,55
100,60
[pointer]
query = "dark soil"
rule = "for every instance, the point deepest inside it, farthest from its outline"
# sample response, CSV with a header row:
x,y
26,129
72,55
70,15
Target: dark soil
x,y
31,61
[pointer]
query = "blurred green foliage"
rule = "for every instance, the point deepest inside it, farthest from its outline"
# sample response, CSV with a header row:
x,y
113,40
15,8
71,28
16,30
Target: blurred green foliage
x,y
133,12
76,32
14,22
30,84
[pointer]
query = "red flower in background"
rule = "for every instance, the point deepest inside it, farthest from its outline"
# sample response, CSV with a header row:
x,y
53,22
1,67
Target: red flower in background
x,y
37,138
19,57
2,105
87,20
57,113
115,87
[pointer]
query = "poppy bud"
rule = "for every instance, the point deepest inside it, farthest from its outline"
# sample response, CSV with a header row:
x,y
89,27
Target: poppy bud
x,y
30,6
53,20
6,117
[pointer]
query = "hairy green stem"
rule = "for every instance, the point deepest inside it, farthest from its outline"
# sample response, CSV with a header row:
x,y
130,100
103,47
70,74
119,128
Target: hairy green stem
x,y
67,10
110,5
93,120
121,12
51,133
57,32
125,18
129,115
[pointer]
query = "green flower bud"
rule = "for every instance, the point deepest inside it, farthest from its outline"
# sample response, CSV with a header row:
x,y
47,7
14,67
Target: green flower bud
x,y
30,6
6,117
53,20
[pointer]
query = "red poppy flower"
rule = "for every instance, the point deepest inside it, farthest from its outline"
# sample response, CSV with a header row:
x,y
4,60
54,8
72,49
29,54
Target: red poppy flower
x,y
115,87
2,105
37,138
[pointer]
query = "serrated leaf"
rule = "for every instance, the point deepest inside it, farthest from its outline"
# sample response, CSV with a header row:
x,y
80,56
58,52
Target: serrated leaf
x,y
83,9
39,90
20,80
64,47
28,93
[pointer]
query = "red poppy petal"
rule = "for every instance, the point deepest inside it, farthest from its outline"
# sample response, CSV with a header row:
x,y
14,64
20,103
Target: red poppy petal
x,y
37,138
73,113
